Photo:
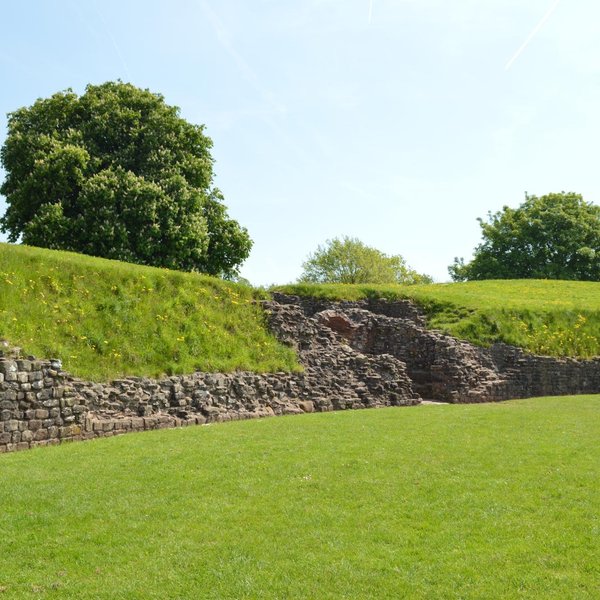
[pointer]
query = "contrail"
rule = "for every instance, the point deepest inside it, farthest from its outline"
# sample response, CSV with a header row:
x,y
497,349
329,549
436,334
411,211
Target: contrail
x,y
85,21
532,35
370,10
112,39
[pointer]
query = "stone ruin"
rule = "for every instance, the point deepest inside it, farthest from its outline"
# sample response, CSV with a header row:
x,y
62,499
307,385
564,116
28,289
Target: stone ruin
x,y
365,354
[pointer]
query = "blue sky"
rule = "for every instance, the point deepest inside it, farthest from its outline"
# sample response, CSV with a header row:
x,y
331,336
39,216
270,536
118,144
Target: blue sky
x,y
394,121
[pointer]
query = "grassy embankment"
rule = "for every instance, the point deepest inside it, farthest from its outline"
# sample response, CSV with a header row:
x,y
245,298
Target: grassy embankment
x,y
106,318
558,318
456,501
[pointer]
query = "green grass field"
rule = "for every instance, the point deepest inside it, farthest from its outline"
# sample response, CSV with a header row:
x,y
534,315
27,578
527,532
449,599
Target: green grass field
x,y
432,502
557,318
107,318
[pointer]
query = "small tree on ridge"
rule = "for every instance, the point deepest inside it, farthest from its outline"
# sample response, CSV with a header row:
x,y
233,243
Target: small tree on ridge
x,y
348,260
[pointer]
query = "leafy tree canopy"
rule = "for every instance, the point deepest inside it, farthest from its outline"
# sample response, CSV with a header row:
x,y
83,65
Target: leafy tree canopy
x,y
117,173
348,260
556,236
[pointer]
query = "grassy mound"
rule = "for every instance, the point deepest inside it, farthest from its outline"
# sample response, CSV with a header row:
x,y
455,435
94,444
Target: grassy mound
x,y
105,318
456,501
557,318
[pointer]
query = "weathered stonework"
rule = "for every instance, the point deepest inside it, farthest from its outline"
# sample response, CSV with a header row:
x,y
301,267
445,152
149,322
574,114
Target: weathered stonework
x,y
442,367
355,355
41,405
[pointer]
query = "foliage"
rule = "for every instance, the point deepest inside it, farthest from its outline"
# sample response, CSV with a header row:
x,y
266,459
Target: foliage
x,y
348,260
117,173
558,318
556,236
475,501
106,319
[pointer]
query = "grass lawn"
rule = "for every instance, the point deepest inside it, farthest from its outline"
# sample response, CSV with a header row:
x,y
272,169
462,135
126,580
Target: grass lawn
x,y
453,501
558,318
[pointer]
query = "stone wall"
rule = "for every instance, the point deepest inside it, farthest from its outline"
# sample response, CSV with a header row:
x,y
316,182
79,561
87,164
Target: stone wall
x,y
354,354
446,369
42,405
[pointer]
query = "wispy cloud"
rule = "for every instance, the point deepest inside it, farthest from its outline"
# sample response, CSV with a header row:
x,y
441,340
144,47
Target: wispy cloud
x,y
370,11
533,33
240,62
249,74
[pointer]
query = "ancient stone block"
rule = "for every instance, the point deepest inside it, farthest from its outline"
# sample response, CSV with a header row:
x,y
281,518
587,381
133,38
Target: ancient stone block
x,y
11,425
24,365
40,434
306,406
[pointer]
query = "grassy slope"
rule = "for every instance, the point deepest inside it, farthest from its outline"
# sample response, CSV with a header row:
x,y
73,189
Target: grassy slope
x,y
457,501
560,318
106,318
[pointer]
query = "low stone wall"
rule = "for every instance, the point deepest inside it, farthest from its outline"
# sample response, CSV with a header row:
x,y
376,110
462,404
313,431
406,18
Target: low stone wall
x,y
42,405
354,354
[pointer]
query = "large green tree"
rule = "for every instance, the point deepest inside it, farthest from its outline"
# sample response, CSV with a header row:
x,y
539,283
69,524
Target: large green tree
x,y
348,260
116,172
556,236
